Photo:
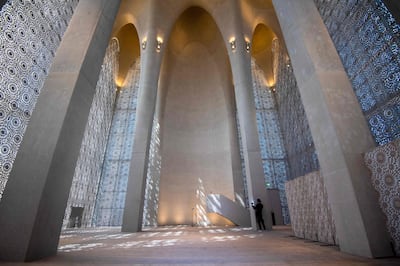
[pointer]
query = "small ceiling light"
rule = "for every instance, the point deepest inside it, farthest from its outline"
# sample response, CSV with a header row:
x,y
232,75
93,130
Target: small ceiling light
x,y
232,42
159,43
144,43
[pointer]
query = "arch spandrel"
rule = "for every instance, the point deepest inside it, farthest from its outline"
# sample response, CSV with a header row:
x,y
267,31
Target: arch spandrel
x,y
132,12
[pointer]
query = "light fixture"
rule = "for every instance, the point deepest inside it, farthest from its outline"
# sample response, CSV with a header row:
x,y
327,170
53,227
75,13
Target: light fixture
x,y
232,42
144,43
248,46
287,59
159,43
119,82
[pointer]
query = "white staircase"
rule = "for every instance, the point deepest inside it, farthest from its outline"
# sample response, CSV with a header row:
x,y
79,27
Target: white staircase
x,y
229,209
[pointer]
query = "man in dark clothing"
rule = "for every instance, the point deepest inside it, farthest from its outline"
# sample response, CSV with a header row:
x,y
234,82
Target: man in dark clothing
x,y
259,216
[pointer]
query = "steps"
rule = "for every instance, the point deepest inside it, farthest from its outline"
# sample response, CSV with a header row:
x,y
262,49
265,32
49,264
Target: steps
x,y
237,214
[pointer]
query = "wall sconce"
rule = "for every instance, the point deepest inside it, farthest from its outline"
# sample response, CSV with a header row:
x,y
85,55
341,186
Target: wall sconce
x,y
159,43
248,46
144,43
287,59
232,42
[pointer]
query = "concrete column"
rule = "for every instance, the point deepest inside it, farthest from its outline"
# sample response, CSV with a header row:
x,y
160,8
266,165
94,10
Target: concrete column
x,y
338,127
242,78
35,198
148,84
241,69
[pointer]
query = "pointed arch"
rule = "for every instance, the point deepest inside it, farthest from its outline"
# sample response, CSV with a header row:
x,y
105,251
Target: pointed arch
x,y
129,50
263,52
198,129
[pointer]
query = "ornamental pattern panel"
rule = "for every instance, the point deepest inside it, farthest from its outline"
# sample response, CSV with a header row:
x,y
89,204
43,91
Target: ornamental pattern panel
x,y
301,154
242,163
384,163
310,210
367,38
150,210
273,153
110,200
88,169
30,33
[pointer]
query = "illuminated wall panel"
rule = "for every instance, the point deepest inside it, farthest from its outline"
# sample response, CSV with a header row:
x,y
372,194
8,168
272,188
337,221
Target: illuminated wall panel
x,y
114,178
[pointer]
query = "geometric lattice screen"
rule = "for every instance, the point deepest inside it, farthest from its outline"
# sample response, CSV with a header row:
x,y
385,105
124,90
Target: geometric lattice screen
x,y
384,163
88,167
272,149
367,38
114,178
299,145
30,33
311,214
150,212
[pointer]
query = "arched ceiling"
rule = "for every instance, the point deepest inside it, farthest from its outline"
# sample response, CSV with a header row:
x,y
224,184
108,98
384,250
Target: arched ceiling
x,y
129,50
262,39
262,51
195,24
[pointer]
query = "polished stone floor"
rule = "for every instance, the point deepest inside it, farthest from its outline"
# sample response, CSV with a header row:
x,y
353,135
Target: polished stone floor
x,y
184,245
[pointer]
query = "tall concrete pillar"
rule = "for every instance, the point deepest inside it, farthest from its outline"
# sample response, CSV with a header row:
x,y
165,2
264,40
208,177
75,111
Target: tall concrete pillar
x,y
338,127
148,85
35,198
242,77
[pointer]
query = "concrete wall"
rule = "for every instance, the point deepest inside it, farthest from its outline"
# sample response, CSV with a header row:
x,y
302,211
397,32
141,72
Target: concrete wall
x,y
274,197
197,121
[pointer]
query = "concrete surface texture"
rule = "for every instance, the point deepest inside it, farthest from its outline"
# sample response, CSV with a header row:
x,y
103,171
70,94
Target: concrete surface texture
x,y
198,123
183,245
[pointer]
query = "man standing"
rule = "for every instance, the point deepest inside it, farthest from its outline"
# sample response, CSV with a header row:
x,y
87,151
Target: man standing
x,y
259,216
